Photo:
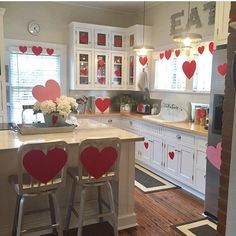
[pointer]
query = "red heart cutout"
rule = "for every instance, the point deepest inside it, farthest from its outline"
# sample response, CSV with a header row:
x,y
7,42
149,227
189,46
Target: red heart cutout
x,y
146,145
222,69
140,107
98,163
84,71
143,60
37,50
118,42
171,155
201,49
101,62
177,53
50,51
118,72
189,68
102,104
101,39
201,113
23,49
161,55
168,54
214,155
101,80
44,167
84,38
211,47
54,119
51,91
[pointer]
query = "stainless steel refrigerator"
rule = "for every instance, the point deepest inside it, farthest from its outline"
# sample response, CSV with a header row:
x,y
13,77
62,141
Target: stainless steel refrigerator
x,y
214,130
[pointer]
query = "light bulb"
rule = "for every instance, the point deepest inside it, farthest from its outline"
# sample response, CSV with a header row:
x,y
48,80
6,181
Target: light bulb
x,y
142,52
187,42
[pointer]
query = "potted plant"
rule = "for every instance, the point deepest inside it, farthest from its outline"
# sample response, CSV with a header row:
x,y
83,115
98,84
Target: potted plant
x,y
123,102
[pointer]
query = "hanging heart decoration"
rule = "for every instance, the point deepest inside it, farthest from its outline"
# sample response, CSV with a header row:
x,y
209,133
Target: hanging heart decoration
x,y
177,52
168,54
23,49
101,39
50,51
171,155
84,38
201,49
44,167
222,69
101,62
118,42
214,155
211,47
143,60
161,55
189,68
146,145
96,162
102,104
37,50
84,71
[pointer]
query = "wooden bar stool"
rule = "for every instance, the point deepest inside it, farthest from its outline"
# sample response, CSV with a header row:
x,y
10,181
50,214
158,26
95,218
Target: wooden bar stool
x,y
98,165
41,171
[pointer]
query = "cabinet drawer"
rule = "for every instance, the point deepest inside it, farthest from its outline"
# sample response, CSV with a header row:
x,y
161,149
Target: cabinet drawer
x,y
181,137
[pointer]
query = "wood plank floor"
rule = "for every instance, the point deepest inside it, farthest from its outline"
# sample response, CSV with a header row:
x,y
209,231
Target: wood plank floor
x,y
156,212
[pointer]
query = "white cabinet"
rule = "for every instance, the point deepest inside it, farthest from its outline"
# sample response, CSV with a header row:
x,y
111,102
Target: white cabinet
x,y
221,22
3,110
158,153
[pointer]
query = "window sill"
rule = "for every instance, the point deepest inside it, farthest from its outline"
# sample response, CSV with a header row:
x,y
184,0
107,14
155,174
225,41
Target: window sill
x,y
179,91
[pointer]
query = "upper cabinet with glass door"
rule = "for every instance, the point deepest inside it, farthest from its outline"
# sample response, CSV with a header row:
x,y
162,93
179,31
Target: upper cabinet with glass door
x,y
117,70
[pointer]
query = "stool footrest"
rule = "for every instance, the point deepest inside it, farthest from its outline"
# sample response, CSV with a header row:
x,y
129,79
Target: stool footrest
x,y
87,217
30,230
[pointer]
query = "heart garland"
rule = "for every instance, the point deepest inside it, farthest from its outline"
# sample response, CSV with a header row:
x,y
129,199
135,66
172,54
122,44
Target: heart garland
x,y
177,52
211,47
189,68
50,51
214,155
201,49
168,54
23,49
161,55
102,104
37,50
143,60
222,69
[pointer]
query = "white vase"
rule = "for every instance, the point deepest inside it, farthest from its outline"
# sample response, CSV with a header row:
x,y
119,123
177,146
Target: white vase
x,y
54,119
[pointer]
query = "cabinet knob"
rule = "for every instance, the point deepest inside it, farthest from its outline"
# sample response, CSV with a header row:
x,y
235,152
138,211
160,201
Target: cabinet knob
x,y
178,136
109,121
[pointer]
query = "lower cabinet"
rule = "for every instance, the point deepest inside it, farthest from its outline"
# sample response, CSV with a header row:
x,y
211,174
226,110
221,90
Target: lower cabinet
x,y
158,153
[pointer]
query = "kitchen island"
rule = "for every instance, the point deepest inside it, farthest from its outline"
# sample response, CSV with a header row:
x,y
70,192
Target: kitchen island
x,y
10,141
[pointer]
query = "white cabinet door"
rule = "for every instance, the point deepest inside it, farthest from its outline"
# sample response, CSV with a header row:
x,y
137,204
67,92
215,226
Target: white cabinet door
x,y
83,37
147,149
221,22
186,164
158,159
117,41
171,157
101,39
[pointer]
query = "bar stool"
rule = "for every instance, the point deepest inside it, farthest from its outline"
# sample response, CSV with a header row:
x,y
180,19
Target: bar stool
x,y
41,171
98,165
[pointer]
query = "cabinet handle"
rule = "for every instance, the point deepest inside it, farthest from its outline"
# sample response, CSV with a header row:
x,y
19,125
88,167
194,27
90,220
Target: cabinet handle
x,y
150,141
164,164
177,150
109,121
131,123
178,136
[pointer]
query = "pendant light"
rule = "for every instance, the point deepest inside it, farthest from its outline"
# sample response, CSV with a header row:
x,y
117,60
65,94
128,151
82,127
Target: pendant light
x,y
143,49
187,39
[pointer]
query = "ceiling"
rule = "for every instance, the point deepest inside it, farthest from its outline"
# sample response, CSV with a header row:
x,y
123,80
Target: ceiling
x,y
127,7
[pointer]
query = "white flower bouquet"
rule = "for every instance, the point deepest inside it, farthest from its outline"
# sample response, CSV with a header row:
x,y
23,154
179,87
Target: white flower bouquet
x,y
63,105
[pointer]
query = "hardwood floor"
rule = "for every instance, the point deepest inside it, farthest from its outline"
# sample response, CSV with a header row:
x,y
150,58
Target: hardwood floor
x,y
156,212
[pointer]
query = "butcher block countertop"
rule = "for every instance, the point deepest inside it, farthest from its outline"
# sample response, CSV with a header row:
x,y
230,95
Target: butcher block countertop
x,y
182,126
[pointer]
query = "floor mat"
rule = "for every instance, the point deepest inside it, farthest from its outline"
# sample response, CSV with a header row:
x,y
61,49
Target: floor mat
x,y
200,227
150,182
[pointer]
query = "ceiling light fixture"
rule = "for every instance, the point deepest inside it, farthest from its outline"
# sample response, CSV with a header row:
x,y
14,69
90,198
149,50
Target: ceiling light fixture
x,y
143,49
187,39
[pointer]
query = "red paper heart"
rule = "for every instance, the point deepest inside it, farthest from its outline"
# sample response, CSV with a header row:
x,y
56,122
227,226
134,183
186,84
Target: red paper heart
x,y
118,42
51,91
37,50
189,68
201,113
44,167
171,155
201,49
161,55
84,71
50,51
143,60
118,72
214,155
102,104
101,80
101,39
222,69
211,47
101,62
168,54
140,107
146,145
54,119
177,53
23,49
84,38
98,163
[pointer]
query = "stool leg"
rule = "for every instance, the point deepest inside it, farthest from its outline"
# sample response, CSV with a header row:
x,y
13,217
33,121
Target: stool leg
x,y
16,215
58,215
112,206
81,211
52,211
100,203
71,205
20,215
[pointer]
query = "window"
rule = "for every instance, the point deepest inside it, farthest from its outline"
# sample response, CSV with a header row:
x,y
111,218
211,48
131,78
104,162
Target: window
x,y
169,74
26,71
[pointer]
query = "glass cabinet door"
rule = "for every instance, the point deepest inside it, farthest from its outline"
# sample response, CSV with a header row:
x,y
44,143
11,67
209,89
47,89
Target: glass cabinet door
x,y
117,41
101,69
101,39
117,70
83,38
84,71
131,70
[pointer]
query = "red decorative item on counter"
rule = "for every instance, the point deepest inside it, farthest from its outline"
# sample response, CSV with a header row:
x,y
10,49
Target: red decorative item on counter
x,y
211,47
171,155
161,55
189,68
50,51
37,50
23,49
214,155
44,167
143,60
168,54
102,104
139,107
201,49
177,52
222,69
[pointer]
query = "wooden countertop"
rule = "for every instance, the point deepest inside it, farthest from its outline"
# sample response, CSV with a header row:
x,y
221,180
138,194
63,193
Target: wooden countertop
x,y
182,126
86,129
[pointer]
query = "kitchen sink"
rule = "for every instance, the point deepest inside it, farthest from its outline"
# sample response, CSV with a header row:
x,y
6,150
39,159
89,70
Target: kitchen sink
x,y
162,119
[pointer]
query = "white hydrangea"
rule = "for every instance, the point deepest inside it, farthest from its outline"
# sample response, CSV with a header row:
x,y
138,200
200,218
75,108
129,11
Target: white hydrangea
x,y
48,106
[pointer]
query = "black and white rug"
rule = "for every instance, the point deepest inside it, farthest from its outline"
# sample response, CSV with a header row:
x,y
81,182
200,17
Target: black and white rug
x,y
202,227
147,181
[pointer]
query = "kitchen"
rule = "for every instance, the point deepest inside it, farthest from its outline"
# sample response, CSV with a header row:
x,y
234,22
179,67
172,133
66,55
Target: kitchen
x,y
54,34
